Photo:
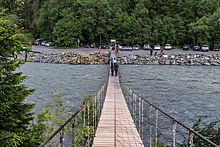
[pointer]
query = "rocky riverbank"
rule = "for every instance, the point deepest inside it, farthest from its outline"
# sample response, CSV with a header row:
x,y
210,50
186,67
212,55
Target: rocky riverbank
x,y
181,59
103,58
67,58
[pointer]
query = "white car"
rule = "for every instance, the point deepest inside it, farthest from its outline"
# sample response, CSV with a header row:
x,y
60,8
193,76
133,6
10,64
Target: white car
x,y
168,47
120,46
205,48
157,47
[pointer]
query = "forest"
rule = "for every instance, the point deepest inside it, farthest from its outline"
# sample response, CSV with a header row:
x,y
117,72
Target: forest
x,y
130,22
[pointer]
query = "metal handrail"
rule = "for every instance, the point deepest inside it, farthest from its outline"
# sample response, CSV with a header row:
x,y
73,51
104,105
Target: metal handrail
x,y
174,119
75,114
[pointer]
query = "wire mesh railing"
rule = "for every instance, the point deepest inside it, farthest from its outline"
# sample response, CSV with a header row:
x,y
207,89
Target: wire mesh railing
x,y
79,129
156,127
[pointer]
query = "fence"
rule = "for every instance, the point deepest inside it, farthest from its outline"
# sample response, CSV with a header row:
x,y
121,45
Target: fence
x,y
79,129
156,127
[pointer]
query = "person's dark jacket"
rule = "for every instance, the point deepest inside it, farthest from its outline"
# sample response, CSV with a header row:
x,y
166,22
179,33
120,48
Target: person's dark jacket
x,y
116,66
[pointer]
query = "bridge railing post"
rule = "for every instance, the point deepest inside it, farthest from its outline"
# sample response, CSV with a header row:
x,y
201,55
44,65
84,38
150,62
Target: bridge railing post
x,y
130,98
135,109
95,115
88,122
174,132
139,115
73,133
150,123
142,122
156,126
191,139
61,137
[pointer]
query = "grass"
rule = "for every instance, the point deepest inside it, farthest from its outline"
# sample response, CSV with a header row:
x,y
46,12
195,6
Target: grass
x,y
71,47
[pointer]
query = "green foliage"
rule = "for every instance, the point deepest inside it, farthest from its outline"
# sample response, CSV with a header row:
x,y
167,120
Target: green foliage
x,y
211,132
15,115
53,115
132,22
84,122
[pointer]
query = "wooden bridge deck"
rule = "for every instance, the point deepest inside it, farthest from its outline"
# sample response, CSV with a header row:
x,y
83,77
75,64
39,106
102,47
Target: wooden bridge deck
x,y
116,127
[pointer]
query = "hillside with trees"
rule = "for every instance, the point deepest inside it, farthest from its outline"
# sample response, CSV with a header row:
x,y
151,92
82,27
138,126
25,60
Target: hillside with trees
x,y
129,21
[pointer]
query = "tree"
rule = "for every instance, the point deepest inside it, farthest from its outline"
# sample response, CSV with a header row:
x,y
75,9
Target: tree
x,y
15,114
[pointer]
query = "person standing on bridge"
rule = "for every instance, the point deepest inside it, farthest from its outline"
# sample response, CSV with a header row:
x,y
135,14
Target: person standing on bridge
x,y
112,61
116,68
115,61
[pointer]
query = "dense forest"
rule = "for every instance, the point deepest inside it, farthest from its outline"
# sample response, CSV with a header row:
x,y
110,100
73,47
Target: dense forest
x,y
128,21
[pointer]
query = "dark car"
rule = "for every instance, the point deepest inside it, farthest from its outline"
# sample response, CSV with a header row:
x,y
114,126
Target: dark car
x,y
49,44
102,45
186,47
38,41
147,47
196,48
87,45
215,47
70,44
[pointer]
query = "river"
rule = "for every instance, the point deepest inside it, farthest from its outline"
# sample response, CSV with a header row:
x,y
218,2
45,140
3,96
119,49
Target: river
x,y
185,92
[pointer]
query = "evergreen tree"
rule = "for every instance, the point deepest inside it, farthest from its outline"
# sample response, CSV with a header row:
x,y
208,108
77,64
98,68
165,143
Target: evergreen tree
x,y
16,128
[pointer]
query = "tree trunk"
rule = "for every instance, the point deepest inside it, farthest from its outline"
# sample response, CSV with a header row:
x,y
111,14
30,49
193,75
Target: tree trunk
x,y
25,16
100,38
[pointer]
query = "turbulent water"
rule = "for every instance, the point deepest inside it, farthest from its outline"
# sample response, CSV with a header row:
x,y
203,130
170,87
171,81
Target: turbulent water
x,y
76,81
185,92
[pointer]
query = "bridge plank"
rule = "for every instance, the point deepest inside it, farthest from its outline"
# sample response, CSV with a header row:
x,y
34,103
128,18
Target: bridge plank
x,y
116,127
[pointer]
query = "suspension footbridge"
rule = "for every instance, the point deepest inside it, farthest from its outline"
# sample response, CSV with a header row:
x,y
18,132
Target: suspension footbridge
x,y
116,116
116,126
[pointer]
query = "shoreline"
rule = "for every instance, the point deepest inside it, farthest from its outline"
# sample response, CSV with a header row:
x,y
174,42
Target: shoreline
x,y
103,58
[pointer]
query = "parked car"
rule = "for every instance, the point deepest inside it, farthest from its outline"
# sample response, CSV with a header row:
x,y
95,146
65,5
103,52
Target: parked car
x,y
49,44
70,44
87,45
38,41
186,47
147,47
215,47
126,48
205,48
43,43
157,47
196,48
136,47
168,47
93,45
102,45
120,46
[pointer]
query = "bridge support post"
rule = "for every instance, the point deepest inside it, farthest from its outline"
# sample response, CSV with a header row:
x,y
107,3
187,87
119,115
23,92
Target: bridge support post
x,y
139,115
135,109
95,116
88,123
142,131
156,125
61,137
150,123
73,127
174,132
191,139
130,98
